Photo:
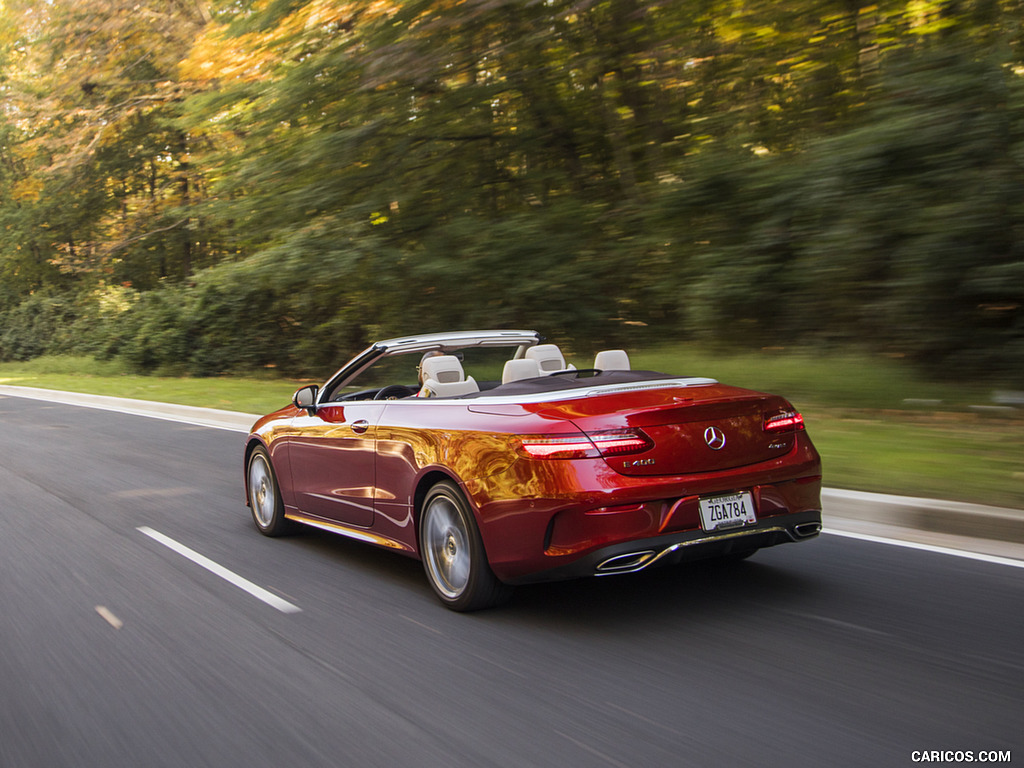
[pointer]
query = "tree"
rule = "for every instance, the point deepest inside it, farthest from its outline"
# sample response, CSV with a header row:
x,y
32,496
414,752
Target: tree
x,y
620,169
104,170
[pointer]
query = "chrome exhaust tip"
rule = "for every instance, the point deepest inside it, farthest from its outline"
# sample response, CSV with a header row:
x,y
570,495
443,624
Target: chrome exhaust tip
x,y
627,563
806,530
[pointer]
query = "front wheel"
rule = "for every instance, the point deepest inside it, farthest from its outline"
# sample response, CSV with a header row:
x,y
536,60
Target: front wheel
x,y
453,553
265,497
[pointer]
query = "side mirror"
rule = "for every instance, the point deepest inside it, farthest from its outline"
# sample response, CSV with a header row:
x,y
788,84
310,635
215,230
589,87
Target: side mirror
x,y
305,398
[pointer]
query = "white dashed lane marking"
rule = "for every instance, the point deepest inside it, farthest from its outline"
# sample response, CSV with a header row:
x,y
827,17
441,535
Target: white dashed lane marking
x,y
219,570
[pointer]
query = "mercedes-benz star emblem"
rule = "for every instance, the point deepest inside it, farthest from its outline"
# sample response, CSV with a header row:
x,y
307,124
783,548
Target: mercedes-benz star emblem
x,y
715,438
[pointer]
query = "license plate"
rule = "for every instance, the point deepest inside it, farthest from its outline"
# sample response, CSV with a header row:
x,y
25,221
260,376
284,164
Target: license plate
x,y
730,511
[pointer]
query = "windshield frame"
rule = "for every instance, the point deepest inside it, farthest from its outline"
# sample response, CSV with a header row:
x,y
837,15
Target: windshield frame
x,y
446,343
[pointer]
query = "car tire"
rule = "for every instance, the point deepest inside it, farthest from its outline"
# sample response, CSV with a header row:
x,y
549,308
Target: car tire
x,y
453,552
265,496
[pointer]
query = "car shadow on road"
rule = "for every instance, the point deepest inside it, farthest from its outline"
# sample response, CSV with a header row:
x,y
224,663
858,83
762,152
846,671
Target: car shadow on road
x,y
375,563
692,591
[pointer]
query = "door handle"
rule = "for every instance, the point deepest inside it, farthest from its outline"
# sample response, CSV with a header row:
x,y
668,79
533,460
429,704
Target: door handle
x,y
360,426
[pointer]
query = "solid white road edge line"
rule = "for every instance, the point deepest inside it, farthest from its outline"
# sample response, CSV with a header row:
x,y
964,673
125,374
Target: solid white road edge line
x,y
183,414
219,570
930,548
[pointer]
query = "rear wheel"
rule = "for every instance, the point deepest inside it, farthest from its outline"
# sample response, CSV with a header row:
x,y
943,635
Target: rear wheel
x,y
453,552
265,497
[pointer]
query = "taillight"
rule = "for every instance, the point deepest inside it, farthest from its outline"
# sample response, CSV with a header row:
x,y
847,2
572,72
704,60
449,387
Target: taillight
x,y
620,442
787,421
559,447
585,446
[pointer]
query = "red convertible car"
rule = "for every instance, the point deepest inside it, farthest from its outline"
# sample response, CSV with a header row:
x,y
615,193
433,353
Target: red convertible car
x,y
505,465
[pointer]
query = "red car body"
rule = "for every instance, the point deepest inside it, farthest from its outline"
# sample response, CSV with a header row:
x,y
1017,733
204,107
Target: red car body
x,y
579,473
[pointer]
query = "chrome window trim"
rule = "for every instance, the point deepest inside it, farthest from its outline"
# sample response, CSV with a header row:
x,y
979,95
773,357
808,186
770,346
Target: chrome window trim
x,y
558,396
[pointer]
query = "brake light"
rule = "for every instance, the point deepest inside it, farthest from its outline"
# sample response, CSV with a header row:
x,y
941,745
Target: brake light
x,y
787,421
620,442
559,447
585,446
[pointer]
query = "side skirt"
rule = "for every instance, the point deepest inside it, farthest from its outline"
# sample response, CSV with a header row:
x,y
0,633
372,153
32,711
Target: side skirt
x,y
360,534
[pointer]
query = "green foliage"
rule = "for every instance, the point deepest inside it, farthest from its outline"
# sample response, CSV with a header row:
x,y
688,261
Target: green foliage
x,y
28,328
315,175
52,323
925,214
902,232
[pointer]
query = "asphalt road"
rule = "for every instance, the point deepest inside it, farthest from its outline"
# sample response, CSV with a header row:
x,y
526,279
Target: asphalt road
x,y
116,650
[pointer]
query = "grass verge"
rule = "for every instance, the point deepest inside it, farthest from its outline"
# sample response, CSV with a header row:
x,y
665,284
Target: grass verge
x,y
82,374
878,426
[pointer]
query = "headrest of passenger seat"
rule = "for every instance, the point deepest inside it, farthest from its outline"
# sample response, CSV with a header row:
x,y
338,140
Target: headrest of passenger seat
x,y
549,358
612,360
515,370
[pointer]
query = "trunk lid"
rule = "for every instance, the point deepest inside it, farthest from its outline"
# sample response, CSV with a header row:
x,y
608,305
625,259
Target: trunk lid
x,y
693,429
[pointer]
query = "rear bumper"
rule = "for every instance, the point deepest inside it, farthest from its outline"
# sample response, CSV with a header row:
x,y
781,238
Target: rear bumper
x,y
687,546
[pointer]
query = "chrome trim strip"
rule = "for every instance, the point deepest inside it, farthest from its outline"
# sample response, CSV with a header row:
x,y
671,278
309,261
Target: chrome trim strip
x,y
815,529
491,338
694,542
338,500
689,381
353,533
634,561
554,397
